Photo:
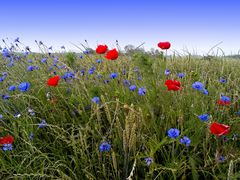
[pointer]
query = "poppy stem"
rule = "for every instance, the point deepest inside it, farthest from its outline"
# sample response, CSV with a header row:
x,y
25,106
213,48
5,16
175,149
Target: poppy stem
x,y
166,55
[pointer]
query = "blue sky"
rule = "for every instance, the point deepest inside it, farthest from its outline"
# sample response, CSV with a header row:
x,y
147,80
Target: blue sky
x,y
196,25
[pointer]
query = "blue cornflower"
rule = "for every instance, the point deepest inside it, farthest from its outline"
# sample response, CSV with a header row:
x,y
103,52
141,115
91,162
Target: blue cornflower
x,y
50,68
222,80
106,81
17,115
181,75
132,87
11,64
204,117
99,76
148,161
98,60
68,75
225,98
26,53
1,116
24,86
50,48
225,139
30,68
198,86
105,146
11,88
44,60
126,82
173,133
136,70
113,75
167,72
204,91
5,96
142,91
139,78
80,57
86,51
91,70
185,140
5,53
11,48
82,72
61,67
42,124
2,79
4,74
221,158
96,100
7,147
62,47
56,59
18,57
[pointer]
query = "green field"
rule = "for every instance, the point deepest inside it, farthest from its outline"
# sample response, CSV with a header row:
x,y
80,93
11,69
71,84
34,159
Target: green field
x,y
133,126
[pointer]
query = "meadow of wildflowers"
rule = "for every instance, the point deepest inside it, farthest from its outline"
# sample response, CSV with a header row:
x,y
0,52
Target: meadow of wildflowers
x,y
105,114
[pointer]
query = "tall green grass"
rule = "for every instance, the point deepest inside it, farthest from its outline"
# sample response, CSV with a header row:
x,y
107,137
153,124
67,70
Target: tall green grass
x,y
135,126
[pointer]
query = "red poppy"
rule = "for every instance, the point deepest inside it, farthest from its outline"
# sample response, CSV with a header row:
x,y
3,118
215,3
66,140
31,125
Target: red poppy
x,y
101,49
164,45
223,103
112,54
173,85
6,140
219,129
53,81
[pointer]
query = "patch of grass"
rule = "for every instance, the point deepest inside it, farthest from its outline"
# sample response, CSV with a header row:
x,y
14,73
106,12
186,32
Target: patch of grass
x,y
135,126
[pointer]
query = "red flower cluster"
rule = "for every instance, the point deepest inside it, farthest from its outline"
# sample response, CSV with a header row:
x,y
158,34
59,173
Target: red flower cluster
x,y
111,54
219,129
101,49
6,140
223,103
53,81
164,45
173,85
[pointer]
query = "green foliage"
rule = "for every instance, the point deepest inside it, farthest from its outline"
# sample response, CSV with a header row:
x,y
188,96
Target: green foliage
x,y
135,126
71,59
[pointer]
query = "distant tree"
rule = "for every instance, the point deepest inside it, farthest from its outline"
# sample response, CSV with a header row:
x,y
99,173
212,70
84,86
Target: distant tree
x,y
155,52
129,48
